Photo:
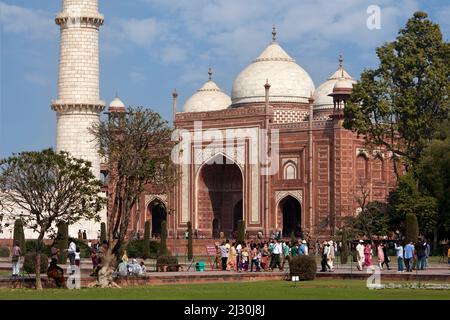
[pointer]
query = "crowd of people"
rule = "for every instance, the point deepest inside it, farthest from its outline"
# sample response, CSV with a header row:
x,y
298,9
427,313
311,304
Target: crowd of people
x,y
255,257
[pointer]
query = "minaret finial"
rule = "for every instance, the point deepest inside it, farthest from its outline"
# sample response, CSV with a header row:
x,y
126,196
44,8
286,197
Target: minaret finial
x,y
341,64
210,73
274,33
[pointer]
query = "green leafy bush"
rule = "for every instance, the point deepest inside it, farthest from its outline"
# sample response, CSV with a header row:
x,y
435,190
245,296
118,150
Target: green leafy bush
x,y
304,267
31,246
85,251
135,248
19,235
29,264
4,252
146,244
168,260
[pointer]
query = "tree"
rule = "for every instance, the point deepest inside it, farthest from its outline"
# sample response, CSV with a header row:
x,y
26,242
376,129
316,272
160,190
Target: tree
x,y
189,244
344,248
19,235
433,172
48,188
372,221
412,228
138,145
407,199
62,241
400,105
163,251
146,244
241,231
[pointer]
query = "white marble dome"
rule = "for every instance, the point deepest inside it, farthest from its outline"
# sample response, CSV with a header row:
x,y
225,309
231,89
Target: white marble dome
x,y
322,100
288,81
117,103
208,98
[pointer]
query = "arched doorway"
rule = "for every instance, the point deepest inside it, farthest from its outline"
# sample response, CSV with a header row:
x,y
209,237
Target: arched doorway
x,y
220,189
238,214
290,210
158,213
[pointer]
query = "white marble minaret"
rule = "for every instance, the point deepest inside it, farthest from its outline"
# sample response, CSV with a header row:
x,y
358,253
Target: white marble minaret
x,y
78,105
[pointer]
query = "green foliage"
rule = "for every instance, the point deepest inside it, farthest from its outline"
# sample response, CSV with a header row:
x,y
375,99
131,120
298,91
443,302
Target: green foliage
x,y
344,248
374,220
4,252
163,243
407,199
102,232
168,260
241,231
146,244
400,105
135,249
85,251
189,244
29,264
55,186
19,235
305,267
62,241
433,171
412,228
32,246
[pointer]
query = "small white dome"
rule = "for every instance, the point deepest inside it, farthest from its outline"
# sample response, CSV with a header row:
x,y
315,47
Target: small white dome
x,y
343,84
322,100
208,98
117,103
288,81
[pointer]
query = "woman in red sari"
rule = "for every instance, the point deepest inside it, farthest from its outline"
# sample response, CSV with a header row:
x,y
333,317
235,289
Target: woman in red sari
x,y
368,255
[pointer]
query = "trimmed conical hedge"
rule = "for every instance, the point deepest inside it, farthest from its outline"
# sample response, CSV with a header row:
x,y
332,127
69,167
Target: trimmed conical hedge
x,y
412,228
102,232
19,235
189,244
146,244
62,242
163,244
241,231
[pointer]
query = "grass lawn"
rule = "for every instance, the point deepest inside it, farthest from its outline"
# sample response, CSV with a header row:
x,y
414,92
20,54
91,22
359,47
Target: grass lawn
x,y
281,290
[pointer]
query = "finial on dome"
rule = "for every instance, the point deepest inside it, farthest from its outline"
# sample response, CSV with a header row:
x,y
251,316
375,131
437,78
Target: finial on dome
x,y
210,73
274,33
341,65
174,93
267,85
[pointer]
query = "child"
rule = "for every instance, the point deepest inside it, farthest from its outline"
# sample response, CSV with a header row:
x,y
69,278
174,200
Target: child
x,y
77,257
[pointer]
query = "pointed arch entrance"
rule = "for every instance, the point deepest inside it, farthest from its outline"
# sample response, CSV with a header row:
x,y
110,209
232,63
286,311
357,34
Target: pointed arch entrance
x,y
290,212
219,196
158,214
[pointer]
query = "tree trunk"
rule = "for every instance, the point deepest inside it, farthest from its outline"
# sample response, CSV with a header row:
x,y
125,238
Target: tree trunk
x,y
105,274
38,271
38,262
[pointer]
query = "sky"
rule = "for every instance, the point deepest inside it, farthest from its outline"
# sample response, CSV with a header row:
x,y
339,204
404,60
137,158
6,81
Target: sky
x,y
150,47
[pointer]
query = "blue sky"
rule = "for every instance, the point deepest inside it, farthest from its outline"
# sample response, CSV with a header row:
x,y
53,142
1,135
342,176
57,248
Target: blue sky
x,y
150,47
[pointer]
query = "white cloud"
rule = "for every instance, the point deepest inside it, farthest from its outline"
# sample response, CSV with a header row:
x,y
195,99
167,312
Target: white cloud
x,y
136,76
173,53
36,24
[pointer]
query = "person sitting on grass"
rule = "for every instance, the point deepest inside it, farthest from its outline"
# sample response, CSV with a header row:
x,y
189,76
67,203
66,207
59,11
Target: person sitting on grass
x,y
122,269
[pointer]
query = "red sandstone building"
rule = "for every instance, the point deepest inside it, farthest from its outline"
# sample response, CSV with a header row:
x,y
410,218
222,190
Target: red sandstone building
x,y
302,176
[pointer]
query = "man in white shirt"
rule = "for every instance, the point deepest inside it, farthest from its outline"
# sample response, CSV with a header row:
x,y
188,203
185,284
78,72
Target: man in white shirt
x,y
238,256
71,254
360,255
224,255
277,250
